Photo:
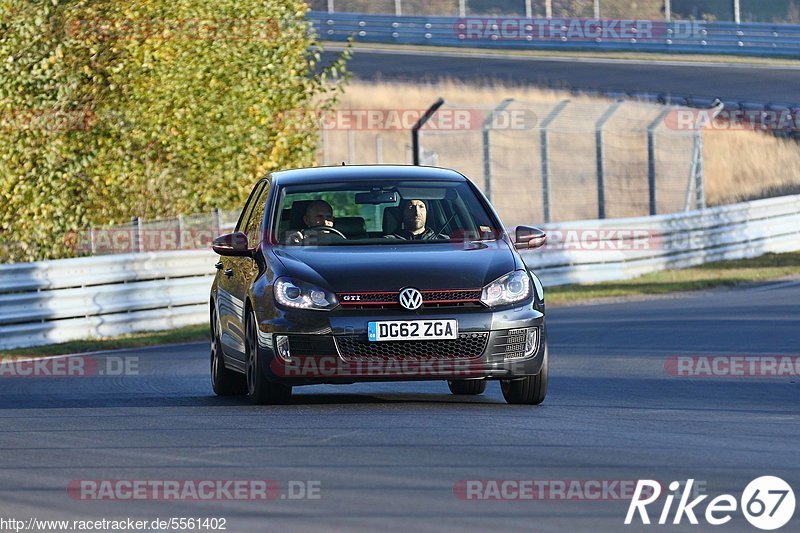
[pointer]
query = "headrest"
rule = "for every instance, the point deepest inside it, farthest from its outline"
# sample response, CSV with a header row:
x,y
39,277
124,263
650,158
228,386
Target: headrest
x,y
297,213
392,220
351,226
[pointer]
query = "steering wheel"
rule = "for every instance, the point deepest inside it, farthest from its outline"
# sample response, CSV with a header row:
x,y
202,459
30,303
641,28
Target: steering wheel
x,y
326,229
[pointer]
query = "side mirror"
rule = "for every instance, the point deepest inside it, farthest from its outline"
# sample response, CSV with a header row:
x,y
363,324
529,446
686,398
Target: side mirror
x,y
232,245
528,238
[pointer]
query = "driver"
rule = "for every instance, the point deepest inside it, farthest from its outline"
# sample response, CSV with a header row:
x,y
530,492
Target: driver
x,y
319,215
415,218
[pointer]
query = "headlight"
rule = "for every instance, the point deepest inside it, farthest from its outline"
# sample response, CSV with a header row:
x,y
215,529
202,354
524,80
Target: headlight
x,y
301,295
513,287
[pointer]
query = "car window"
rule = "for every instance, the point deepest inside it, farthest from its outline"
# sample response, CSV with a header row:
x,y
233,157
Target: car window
x,y
253,227
373,213
248,208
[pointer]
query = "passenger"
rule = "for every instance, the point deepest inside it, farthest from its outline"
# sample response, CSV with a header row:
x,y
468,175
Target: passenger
x,y
415,218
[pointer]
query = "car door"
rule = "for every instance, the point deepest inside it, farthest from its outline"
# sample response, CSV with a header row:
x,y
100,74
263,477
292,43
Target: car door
x,y
236,274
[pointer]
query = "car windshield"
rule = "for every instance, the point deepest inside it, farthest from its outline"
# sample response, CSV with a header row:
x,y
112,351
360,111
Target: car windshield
x,y
380,213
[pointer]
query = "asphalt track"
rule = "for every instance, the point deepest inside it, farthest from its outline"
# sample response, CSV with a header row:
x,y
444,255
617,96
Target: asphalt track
x,y
388,456
750,83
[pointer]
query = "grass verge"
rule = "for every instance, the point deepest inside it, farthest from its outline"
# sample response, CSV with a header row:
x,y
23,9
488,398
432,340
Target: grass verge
x,y
135,340
721,274
582,54
713,275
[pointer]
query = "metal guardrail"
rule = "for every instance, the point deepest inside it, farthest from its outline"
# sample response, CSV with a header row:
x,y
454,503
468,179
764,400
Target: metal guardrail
x,y
593,251
694,37
91,297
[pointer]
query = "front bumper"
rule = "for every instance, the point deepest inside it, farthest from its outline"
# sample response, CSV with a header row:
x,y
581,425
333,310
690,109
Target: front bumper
x,y
333,348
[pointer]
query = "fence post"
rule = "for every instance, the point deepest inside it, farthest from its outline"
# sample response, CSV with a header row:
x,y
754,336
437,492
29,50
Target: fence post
x,y
136,234
180,231
545,155
415,146
216,225
596,9
737,12
548,9
487,149
351,147
462,8
699,177
92,240
528,9
325,146
398,8
651,158
379,149
600,152
331,7
667,10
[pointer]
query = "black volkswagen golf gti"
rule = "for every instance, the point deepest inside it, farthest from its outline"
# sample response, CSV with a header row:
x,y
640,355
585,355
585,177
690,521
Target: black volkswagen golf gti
x,y
375,273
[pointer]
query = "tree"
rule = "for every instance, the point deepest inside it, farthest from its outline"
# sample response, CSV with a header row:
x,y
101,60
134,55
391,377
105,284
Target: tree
x,y
152,108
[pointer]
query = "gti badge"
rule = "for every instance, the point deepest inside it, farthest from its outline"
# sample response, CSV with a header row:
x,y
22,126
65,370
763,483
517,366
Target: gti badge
x,y
410,299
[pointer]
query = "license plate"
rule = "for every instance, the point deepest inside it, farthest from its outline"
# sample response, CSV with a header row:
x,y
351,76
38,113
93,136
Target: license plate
x,y
412,330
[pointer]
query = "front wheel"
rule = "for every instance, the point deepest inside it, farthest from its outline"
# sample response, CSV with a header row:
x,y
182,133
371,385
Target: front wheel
x,y
259,389
467,386
530,390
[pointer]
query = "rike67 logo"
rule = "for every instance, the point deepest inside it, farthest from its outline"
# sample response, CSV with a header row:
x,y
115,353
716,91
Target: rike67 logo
x,y
767,503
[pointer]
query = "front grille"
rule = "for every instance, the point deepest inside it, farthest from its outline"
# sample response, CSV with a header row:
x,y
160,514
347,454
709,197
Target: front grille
x,y
356,348
430,298
510,344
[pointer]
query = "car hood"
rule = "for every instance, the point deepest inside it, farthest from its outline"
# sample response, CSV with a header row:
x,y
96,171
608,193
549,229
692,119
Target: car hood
x,y
393,267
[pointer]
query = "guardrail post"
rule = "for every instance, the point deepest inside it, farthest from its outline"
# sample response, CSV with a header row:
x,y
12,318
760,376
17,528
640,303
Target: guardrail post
x,y
600,153
545,156
136,234
651,158
487,146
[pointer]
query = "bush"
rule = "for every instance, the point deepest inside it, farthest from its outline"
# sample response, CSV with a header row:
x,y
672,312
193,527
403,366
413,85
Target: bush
x,y
149,108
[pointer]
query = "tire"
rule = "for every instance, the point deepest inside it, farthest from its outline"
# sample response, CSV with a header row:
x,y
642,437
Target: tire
x,y
225,382
469,387
259,389
530,390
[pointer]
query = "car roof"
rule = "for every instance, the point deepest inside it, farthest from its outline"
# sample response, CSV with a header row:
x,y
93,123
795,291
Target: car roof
x,y
338,174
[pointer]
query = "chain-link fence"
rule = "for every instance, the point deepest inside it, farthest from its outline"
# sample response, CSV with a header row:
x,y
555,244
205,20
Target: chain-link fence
x,y
715,10
544,162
